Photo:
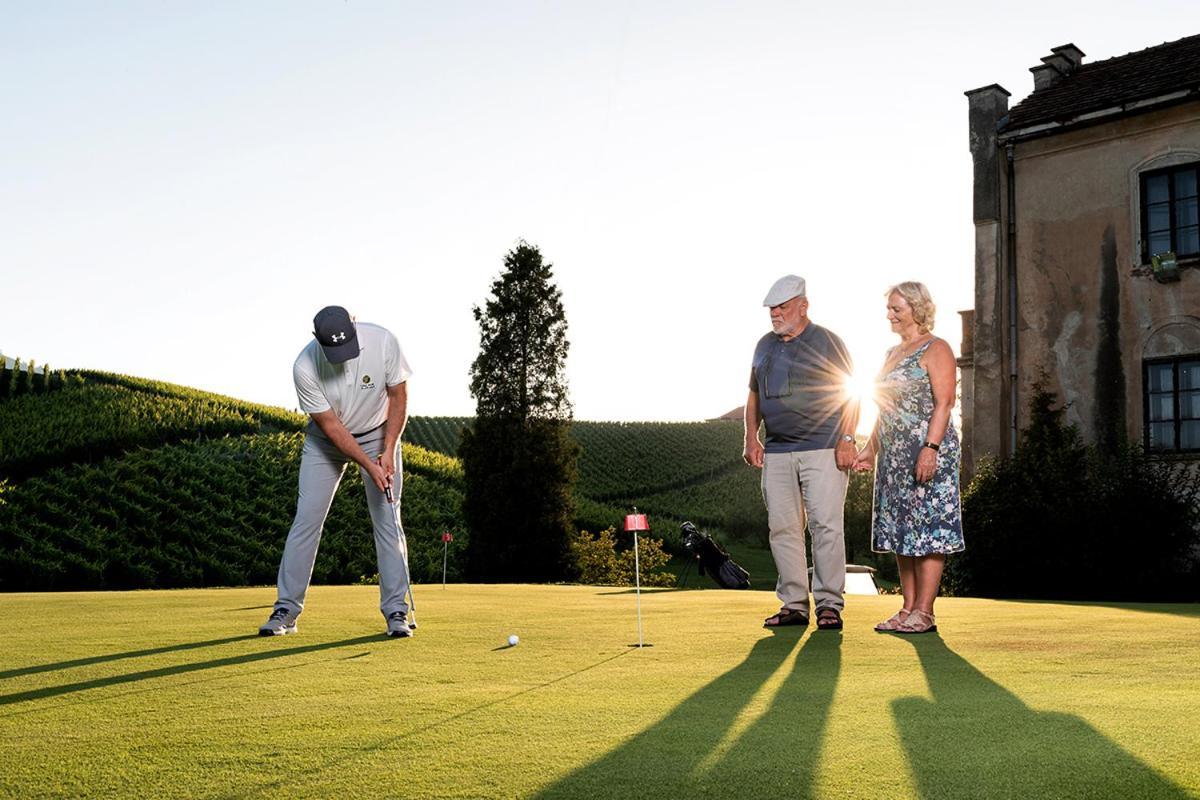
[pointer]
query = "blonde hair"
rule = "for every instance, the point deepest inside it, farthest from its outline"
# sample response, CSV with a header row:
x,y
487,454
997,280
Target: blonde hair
x,y
916,294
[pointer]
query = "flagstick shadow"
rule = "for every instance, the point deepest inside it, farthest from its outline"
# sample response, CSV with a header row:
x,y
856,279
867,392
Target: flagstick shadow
x,y
977,739
668,758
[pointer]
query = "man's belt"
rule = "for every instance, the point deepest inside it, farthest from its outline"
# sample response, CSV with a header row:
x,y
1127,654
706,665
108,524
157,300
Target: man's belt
x,y
367,433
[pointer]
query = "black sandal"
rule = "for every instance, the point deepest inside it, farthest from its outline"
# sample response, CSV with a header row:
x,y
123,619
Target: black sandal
x,y
785,617
829,619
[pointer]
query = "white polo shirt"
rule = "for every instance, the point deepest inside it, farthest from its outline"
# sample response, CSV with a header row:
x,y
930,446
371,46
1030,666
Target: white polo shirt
x,y
356,390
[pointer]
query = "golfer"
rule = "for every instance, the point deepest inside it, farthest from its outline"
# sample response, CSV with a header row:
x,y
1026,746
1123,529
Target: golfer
x,y
351,381
797,387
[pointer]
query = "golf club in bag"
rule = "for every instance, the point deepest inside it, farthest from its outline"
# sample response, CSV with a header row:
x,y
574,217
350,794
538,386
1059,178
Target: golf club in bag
x,y
412,603
713,559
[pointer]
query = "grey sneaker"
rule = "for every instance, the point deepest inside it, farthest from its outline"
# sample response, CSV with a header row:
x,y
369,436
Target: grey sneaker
x,y
398,624
280,622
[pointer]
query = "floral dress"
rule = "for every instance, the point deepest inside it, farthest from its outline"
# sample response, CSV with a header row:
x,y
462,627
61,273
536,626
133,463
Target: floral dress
x,y
912,518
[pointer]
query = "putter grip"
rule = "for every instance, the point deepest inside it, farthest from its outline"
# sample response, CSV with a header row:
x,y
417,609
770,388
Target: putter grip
x,y
388,491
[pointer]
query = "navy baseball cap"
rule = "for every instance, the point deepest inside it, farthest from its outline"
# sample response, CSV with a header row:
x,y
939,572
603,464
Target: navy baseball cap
x,y
335,332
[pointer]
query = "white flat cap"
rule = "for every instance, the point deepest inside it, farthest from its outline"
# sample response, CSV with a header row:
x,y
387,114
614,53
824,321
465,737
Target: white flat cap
x,y
785,289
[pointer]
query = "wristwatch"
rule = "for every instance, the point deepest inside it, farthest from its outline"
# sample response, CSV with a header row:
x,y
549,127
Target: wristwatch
x,y
932,446
847,438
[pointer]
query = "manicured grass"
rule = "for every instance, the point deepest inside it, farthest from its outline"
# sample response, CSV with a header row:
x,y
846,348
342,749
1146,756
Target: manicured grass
x,y
147,694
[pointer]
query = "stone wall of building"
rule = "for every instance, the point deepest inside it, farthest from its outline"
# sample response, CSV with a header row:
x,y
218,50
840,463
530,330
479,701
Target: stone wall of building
x,y
1089,311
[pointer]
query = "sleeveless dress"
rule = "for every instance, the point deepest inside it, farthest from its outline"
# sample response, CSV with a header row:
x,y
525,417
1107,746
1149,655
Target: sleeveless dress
x,y
912,518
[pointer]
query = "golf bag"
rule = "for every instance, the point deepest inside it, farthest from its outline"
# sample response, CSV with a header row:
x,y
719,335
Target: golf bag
x,y
713,559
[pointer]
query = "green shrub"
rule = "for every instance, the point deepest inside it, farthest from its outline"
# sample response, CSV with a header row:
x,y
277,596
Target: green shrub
x,y
599,560
1061,520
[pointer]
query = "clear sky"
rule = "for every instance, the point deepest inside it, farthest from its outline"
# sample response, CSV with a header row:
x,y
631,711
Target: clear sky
x,y
182,185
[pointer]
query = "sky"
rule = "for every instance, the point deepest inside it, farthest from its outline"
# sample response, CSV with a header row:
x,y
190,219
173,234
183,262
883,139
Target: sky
x,y
183,185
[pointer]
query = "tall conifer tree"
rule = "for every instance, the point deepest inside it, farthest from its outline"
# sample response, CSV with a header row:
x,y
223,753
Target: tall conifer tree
x,y
518,456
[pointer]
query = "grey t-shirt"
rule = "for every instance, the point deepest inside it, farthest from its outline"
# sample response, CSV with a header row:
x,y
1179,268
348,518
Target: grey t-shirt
x,y
801,386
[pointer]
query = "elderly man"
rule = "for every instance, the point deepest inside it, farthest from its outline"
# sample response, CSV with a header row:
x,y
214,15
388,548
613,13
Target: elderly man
x,y
797,387
351,381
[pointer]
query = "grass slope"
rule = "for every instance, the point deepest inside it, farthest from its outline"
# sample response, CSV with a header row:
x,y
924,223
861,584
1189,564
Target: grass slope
x,y
165,694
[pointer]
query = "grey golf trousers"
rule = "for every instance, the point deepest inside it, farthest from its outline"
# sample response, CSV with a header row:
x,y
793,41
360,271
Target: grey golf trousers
x,y
800,487
321,469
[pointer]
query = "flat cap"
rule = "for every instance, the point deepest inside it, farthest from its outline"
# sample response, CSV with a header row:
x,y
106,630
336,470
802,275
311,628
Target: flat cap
x,y
785,289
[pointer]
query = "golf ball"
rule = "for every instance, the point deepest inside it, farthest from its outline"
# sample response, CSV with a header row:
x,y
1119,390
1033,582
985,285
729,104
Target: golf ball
x,y
513,639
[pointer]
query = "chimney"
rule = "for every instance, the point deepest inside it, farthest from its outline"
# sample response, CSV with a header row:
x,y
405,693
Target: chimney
x,y
1062,61
987,106
1071,53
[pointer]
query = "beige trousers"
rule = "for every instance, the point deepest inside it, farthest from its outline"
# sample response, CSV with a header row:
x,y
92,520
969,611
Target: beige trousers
x,y
806,486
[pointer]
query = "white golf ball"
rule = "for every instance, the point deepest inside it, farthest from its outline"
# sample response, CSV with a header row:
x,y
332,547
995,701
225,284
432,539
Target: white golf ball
x,y
513,639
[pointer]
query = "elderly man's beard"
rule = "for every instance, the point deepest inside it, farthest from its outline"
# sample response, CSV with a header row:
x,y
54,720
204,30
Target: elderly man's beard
x,y
783,328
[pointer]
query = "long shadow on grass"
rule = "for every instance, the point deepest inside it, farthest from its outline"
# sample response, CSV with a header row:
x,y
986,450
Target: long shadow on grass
x,y
153,651
779,754
697,749
179,669
976,739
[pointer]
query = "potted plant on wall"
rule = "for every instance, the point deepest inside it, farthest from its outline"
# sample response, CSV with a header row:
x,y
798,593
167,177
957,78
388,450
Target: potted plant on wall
x,y
1166,267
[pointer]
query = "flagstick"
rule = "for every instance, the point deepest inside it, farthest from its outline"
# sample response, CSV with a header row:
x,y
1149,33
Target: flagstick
x,y
637,579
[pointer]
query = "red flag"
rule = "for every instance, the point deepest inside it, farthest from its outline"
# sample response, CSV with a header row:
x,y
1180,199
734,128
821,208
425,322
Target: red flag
x,y
447,537
636,522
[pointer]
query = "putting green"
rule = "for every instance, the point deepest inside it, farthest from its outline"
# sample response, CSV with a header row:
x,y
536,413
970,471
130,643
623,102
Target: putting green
x,y
144,694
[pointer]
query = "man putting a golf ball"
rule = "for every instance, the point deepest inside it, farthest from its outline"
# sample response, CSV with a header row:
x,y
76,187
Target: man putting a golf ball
x,y
352,382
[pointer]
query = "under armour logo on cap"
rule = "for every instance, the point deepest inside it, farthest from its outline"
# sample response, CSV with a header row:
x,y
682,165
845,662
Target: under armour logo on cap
x,y
336,334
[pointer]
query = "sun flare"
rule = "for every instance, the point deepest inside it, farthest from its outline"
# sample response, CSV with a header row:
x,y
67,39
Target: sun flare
x,y
861,387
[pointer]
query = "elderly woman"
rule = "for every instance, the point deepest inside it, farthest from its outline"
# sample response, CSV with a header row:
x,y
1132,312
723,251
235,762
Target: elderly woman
x,y
917,514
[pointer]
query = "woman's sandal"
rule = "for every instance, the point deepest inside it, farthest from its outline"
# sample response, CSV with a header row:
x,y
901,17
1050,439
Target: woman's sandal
x,y
894,621
785,617
829,619
918,622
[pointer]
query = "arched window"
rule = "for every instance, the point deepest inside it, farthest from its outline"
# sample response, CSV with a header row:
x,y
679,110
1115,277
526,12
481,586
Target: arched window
x,y
1171,387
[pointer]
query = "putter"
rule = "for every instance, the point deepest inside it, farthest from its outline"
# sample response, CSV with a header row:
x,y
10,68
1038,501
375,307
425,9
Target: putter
x,y
412,603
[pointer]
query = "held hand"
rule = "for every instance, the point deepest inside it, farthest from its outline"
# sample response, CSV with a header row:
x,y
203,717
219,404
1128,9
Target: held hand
x,y
843,453
382,479
926,464
388,462
864,461
753,454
